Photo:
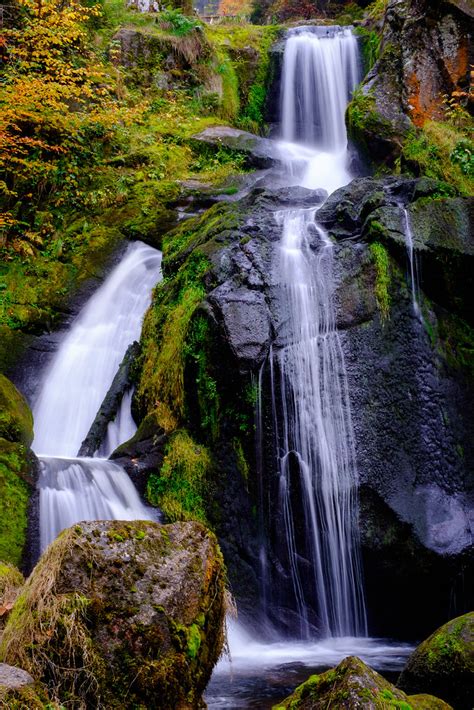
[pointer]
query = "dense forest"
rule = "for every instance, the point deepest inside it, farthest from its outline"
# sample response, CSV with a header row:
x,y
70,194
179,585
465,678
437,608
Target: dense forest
x,y
237,354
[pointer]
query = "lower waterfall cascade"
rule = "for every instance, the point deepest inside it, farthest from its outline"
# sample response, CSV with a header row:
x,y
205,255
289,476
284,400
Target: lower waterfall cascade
x,y
74,385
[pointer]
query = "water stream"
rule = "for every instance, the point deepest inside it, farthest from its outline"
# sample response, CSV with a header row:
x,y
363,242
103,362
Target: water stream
x,y
315,507
412,263
74,386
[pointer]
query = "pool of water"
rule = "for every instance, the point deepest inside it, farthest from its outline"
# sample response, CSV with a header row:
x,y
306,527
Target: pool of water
x,y
259,675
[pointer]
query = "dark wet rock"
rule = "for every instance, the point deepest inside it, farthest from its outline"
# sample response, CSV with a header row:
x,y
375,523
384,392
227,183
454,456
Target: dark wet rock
x,y
111,404
246,321
261,152
352,684
122,613
444,664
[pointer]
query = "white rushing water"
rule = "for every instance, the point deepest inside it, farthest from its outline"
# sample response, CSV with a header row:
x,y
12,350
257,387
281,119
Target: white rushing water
x,y
74,386
88,358
312,418
411,262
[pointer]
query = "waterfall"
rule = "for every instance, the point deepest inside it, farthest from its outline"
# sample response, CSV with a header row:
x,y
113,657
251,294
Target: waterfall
x,y
316,493
74,386
411,262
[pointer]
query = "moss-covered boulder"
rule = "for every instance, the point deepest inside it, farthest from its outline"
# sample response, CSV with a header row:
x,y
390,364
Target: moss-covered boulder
x,y
444,664
119,615
18,691
16,420
354,685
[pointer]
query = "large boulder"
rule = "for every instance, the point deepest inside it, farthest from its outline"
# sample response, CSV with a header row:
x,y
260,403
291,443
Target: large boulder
x,y
444,664
352,684
120,614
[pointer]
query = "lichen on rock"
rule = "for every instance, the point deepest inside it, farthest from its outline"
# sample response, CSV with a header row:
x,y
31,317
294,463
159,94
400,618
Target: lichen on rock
x,y
117,614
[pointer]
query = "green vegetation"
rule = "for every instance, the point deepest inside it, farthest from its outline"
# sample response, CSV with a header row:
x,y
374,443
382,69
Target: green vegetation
x,y
381,261
113,126
444,152
180,487
16,420
370,46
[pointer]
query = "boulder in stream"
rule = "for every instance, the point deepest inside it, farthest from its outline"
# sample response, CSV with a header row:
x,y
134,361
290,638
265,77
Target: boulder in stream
x,y
119,614
353,685
444,663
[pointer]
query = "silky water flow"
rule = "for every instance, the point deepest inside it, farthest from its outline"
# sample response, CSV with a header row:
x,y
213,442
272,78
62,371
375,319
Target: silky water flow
x,y
71,488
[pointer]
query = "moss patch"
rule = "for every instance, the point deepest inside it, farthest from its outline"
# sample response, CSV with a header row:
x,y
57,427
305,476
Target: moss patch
x,y
16,420
15,488
180,487
382,277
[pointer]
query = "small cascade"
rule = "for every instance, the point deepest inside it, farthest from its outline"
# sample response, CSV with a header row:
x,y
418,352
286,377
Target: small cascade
x,y
74,489
121,429
320,71
412,263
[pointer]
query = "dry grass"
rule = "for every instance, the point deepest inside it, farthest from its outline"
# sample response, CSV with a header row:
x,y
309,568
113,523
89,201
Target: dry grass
x,y
47,633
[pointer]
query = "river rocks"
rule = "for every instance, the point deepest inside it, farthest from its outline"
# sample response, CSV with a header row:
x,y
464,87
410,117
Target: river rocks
x,y
120,614
260,152
444,664
354,685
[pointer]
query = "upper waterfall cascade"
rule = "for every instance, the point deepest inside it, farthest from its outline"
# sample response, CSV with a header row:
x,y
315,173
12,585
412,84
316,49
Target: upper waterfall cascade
x,y
74,386
311,410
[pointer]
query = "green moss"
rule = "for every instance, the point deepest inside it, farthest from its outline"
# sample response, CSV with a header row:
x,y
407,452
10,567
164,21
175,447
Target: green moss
x,y
363,118
198,353
16,420
370,41
457,338
382,277
15,488
179,488
434,151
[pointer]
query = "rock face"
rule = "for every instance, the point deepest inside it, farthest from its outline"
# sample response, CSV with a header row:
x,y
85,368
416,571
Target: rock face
x,y
17,471
354,685
424,55
119,614
410,385
444,664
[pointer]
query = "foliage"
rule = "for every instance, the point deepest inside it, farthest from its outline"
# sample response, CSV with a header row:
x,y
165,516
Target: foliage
x,y
177,23
14,500
180,487
235,8
382,277
441,151
370,46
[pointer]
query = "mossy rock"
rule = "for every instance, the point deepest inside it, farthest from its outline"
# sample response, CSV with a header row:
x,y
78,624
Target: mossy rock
x,y
444,664
16,483
16,420
352,685
18,691
119,614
